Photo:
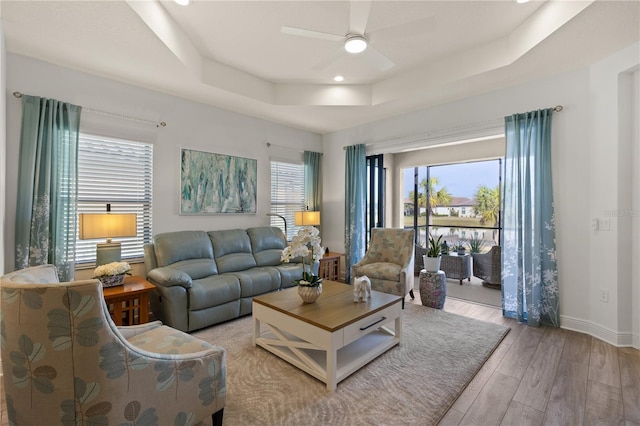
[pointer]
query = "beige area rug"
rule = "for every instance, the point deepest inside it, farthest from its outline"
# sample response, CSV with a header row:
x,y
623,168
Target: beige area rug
x,y
414,383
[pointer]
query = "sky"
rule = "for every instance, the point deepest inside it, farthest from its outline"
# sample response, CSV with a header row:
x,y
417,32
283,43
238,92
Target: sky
x,y
460,180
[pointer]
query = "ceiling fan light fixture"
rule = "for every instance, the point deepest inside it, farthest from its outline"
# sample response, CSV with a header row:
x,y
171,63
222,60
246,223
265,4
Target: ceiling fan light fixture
x,y
182,2
355,44
338,78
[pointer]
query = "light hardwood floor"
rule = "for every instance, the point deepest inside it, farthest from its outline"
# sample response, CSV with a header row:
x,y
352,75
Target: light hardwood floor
x,y
547,376
541,376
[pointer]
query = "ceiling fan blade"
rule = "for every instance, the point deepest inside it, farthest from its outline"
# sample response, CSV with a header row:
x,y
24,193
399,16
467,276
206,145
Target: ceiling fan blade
x,y
379,60
329,59
311,34
359,16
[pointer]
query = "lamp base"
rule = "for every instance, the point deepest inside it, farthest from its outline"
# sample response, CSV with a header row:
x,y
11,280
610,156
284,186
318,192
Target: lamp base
x,y
107,253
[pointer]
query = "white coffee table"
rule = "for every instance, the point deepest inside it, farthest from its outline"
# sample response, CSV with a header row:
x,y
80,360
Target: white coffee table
x,y
331,338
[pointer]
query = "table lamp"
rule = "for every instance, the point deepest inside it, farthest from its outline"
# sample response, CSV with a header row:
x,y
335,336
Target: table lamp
x,y
306,218
107,225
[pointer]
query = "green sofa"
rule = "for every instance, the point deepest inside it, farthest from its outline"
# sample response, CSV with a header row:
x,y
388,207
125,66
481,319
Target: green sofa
x,y
204,278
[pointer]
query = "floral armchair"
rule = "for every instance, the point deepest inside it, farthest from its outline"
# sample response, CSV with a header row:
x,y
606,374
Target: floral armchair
x,y
389,261
65,362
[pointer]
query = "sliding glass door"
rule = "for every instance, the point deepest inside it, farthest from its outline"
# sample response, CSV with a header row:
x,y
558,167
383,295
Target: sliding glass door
x,y
375,194
461,202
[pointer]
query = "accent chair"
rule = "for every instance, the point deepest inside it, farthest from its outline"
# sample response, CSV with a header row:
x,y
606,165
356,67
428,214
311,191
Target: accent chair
x,y
389,261
66,362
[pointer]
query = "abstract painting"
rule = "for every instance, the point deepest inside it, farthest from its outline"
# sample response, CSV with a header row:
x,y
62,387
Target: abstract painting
x,y
215,183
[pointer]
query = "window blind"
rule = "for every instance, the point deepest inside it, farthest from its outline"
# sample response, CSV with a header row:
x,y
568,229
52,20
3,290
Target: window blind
x,y
118,172
287,194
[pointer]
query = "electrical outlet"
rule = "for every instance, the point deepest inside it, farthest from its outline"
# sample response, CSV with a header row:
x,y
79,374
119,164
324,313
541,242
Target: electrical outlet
x,y
604,224
594,224
604,295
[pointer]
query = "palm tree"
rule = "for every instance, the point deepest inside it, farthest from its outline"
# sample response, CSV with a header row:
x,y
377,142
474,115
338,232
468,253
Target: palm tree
x,y
437,198
487,205
422,200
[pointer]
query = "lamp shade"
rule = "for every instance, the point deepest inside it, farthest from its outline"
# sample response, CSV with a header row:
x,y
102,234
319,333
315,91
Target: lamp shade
x,y
306,218
107,225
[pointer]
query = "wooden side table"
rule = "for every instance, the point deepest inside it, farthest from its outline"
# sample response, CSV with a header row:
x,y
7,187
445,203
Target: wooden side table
x,y
129,303
330,266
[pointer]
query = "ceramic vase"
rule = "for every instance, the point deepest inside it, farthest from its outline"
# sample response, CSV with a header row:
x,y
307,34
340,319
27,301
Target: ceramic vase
x,y
309,294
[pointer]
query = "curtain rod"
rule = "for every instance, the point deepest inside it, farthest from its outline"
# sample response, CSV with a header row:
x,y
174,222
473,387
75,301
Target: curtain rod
x,y
113,114
269,145
415,138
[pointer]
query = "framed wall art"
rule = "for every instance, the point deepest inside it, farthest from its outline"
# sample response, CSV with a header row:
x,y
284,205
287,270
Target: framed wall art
x,y
216,183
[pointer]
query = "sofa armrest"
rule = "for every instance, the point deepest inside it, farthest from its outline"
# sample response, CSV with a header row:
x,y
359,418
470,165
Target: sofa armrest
x,y
169,277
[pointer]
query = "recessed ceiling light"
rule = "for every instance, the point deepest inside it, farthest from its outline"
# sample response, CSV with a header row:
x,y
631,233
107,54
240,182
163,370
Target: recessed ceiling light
x,y
355,44
338,78
182,2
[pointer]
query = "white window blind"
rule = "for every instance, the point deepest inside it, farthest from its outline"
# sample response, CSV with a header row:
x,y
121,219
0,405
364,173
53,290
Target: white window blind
x,y
118,172
287,194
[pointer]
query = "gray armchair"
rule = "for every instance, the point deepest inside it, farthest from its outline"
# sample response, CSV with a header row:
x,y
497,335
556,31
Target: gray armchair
x,y
65,362
488,267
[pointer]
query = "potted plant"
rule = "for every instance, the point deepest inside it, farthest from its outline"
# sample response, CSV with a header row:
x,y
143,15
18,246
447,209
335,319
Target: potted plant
x,y
306,245
433,256
461,248
476,245
112,274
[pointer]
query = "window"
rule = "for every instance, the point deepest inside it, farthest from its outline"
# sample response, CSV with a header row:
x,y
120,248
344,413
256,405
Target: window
x,y
459,201
118,172
287,194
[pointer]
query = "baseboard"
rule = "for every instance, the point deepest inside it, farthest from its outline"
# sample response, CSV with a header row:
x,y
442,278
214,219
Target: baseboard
x,y
626,339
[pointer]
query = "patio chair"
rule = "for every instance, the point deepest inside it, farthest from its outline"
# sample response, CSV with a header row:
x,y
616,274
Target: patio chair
x,y
65,362
488,267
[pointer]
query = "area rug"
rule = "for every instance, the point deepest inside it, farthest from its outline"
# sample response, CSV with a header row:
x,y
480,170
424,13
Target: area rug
x,y
414,383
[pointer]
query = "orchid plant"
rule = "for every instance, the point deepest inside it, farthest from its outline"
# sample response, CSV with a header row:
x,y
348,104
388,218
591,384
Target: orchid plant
x,y
306,245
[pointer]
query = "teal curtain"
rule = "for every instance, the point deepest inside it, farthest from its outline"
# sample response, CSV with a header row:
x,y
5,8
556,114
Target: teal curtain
x,y
530,275
355,202
312,180
47,175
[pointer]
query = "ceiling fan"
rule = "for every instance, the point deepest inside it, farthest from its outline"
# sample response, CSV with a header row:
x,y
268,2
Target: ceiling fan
x,y
355,41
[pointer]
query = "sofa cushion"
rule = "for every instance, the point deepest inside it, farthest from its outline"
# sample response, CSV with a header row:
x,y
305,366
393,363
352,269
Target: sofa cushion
x,y
212,291
197,268
258,280
380,270
232,249
289,272
172,247
267,243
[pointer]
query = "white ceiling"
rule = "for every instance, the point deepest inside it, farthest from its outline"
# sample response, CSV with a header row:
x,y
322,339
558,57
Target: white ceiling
x,y
233,55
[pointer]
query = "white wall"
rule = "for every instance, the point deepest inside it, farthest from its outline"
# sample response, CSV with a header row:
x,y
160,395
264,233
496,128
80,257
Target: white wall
x,y
189,125
3,132
586,172
611,146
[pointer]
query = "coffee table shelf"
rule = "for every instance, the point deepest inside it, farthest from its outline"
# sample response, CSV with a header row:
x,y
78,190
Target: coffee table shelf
x,y
329,339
